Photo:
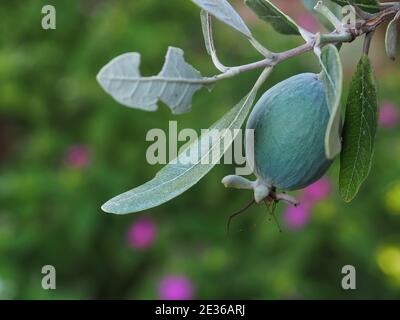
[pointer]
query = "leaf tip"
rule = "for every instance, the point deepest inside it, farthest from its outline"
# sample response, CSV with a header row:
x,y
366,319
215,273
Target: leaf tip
x,y
106,208
347,198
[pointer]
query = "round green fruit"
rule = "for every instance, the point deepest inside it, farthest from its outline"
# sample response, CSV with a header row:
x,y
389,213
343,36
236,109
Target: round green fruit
x,y
289,123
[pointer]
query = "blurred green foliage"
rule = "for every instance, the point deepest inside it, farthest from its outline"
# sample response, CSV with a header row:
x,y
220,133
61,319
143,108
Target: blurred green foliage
x,y
50,212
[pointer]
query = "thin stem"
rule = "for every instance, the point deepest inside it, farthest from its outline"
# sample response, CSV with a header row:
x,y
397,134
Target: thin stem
x,y
260,48
367,42
335,38
347,35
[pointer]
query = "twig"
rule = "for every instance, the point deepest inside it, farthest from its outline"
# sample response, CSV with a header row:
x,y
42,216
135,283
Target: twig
x,y
346,35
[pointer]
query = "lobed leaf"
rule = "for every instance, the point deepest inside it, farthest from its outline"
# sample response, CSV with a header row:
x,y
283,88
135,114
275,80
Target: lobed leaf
x,y
359,131
268,12
181,174
223,11
332,76
175,85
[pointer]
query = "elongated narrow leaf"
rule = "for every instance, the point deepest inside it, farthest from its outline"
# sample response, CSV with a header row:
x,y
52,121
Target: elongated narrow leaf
x,y
391,38
223,11
266,11
359,131
333,7
209,41
190,166
175,85
332,76
366,5
205,26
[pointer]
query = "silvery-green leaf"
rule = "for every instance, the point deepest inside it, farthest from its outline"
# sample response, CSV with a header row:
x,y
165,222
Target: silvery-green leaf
x,y
175,85
192,164
205,26
391,38
209,41
333,7
223,11
358,131
366,5
266,11
332,76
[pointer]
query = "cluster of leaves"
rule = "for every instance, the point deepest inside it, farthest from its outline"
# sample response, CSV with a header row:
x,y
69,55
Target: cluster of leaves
x,y
178,81
49,211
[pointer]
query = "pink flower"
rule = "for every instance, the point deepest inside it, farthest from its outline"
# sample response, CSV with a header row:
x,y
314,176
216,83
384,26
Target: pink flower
x,y
297,217
318,191
388,115
175,287
142,233
307,21
77,156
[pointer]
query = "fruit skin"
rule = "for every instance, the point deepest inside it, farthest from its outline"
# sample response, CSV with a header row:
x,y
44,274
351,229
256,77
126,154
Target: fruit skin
x,y
289,123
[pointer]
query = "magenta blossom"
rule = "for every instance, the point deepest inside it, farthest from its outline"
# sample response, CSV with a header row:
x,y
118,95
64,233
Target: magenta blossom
x,y
175,287
297,217
388,115
77,156
318,191
142,233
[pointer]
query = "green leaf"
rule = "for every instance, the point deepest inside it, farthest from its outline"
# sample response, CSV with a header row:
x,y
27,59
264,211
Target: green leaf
x,y
366,5
266,11
332,76
181,174
175,85
391,38
359,131
333,7
223,11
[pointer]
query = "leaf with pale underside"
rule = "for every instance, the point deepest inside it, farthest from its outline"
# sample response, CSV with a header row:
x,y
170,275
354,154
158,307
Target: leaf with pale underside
x,y
192,164
268,12
332,76
391,38
175,85
359,131
366,5
205,26
223,11
333,7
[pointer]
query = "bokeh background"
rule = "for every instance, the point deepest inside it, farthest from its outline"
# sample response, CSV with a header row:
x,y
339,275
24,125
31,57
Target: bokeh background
x,y
66,147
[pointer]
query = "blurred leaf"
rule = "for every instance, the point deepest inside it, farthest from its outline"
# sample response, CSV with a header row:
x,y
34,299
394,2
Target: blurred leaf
x,y
391,38
175,85
333,7
359,131
266,11
332,76
188,168
222,10
366,5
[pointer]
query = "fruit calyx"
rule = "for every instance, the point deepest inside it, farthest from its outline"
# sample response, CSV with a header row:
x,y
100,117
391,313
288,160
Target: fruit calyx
x,y
262,191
